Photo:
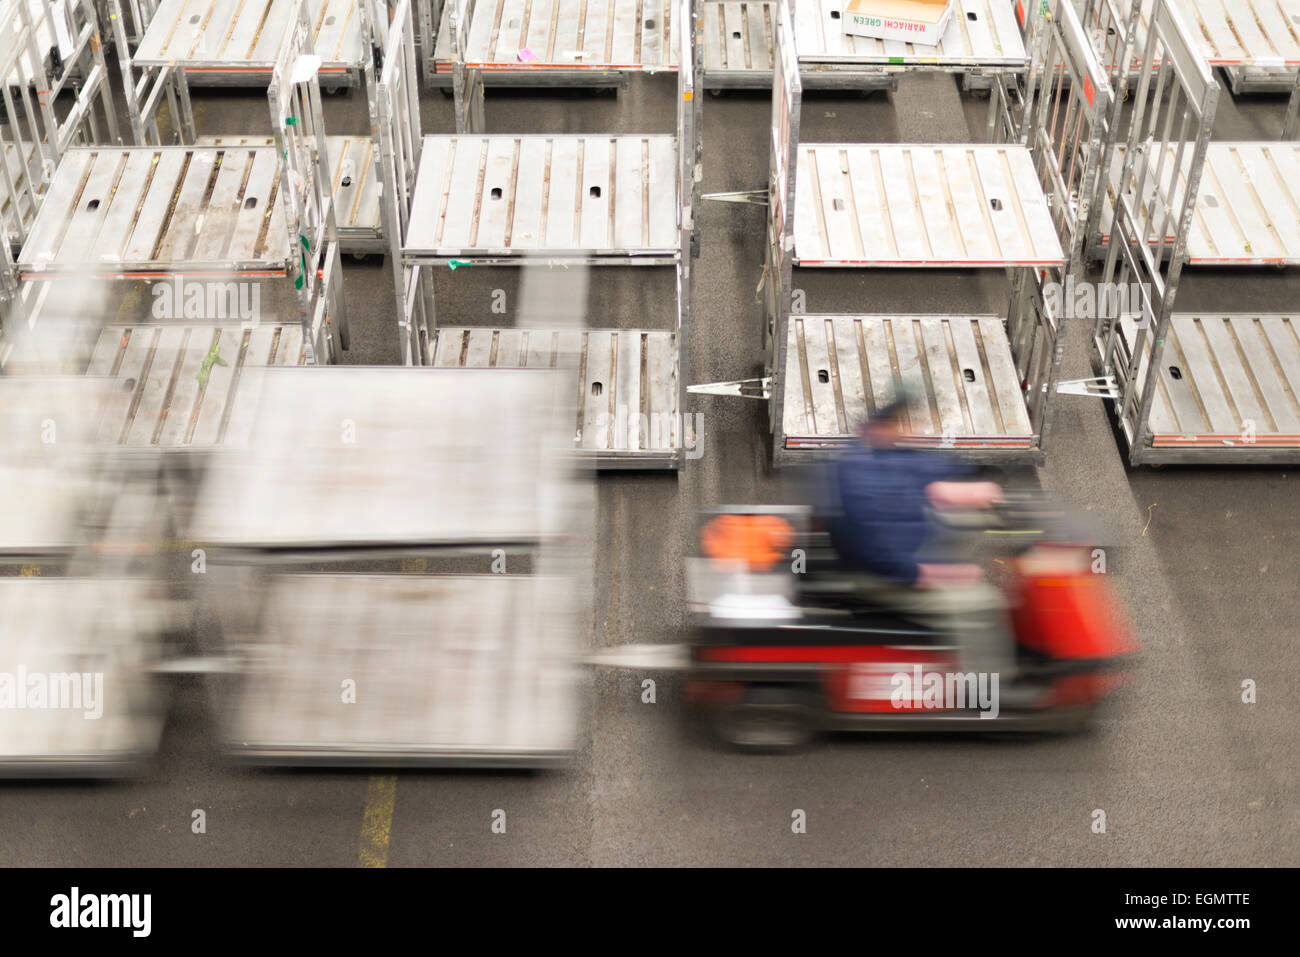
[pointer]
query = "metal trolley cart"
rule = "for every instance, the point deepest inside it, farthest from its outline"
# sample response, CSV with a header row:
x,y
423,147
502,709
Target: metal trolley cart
x,y
199,213
546,43
229,43
985,38
599,200
47,50
980,386
181,44
81,631
1255,42
1241,173
1188,387
461,639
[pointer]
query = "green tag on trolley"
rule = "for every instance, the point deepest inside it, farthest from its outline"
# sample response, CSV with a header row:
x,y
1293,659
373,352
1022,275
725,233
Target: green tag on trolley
x,y
212,358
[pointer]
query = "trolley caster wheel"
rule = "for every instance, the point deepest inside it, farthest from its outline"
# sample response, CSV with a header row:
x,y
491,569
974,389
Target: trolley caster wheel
x,y
333,90
448,92
715,92
359,257
768,720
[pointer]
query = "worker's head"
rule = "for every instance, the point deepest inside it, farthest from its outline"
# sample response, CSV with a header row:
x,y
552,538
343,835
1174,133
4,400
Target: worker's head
x,y
888,424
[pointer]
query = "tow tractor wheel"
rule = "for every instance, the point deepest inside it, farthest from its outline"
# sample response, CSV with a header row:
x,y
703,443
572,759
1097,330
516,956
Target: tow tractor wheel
x,y
769,720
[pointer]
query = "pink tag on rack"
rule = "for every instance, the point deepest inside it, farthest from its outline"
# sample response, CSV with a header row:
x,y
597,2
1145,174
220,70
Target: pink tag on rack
x,y
527,56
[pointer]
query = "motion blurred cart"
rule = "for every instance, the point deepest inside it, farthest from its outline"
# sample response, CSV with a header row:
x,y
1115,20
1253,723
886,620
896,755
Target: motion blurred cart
x,y
81,620
459,641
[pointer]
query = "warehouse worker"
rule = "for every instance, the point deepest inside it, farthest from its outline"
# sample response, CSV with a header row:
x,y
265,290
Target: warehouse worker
x,y
880,489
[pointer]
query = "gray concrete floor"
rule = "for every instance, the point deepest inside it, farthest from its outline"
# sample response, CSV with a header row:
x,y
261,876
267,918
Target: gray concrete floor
x,y
1204,558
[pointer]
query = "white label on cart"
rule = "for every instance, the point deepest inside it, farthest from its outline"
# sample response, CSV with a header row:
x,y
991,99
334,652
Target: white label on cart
x,y
304,68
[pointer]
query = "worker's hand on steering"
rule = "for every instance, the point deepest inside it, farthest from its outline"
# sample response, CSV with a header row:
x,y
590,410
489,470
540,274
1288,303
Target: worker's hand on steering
x,y
943,575
956,496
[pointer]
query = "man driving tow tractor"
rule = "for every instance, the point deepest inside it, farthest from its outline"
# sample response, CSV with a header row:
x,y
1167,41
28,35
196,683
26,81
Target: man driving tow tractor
x,y
879,491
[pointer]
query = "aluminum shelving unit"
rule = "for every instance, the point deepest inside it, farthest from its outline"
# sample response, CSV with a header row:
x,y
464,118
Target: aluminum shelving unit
x,y
354,168
463,667
1246,210
177,380
1196,388
230,43
47,50
216,213
547,43
561,200
984,38
241,42
1255,37
980,386
1233,223
1255,42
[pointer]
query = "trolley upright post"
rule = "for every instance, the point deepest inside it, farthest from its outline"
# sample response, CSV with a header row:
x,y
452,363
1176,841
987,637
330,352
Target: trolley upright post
x,y
299,139
467,81
1112,26
778,271
398,108
1070,117
146,92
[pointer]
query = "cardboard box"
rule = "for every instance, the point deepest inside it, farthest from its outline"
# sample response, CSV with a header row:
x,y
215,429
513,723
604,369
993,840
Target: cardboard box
x,y
911,21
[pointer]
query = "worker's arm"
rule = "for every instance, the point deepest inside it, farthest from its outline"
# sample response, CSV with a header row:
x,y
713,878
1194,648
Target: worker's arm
x,y
957,496
943,574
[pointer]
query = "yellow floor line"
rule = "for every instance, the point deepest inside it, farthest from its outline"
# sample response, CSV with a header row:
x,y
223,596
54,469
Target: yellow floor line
x,y
377,820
